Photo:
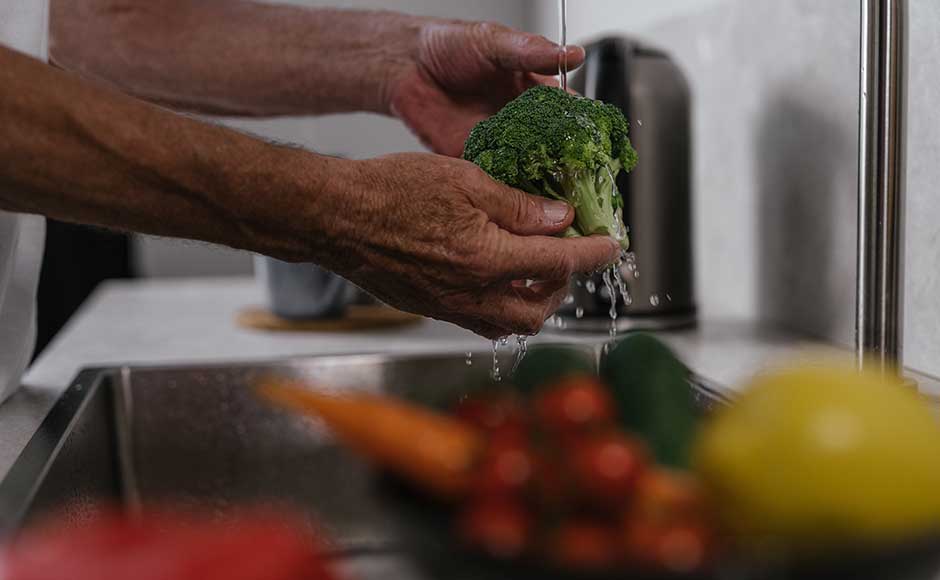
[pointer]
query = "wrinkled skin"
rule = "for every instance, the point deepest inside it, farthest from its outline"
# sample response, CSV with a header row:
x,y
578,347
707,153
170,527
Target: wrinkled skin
x,y
464,73
427,233
461,250
466,258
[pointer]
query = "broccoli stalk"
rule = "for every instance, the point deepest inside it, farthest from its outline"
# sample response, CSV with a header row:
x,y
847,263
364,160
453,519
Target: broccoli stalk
x,y
597,203
550,143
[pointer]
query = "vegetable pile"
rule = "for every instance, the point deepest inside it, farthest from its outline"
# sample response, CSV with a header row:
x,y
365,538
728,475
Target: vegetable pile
x,y
554,144
562,481
560,469
611,473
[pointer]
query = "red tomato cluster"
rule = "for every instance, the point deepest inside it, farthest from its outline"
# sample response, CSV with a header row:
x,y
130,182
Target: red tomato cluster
x,y
561,482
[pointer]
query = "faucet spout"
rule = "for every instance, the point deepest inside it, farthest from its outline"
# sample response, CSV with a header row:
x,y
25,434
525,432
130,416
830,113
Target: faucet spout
x,y
881,175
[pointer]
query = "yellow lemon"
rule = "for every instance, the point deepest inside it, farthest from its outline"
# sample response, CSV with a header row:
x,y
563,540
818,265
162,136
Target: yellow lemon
x,y
817,456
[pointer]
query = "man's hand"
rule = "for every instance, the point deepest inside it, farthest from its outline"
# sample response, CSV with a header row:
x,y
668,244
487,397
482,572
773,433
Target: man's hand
x,y
239,57
426,233
437,236
464,73
236,57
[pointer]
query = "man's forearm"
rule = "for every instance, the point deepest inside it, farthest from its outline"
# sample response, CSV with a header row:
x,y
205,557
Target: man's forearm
x,y
236,57
83,153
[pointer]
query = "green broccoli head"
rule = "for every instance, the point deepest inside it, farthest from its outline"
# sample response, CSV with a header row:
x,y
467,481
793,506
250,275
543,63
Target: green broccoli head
x,y
551,143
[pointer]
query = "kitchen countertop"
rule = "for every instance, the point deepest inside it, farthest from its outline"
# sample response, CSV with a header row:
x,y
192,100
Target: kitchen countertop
x,y
175,321
193,320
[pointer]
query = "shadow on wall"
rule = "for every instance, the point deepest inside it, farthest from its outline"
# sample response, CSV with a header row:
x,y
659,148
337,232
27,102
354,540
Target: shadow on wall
x,y
804,282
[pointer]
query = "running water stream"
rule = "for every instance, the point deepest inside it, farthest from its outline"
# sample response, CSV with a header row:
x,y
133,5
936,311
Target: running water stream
x,y
494,373
563,36
522,341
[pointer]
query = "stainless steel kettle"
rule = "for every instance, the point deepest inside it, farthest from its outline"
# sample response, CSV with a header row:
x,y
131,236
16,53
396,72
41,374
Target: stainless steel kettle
x,y
654,95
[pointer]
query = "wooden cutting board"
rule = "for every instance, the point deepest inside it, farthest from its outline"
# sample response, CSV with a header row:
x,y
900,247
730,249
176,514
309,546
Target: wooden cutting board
x,y
356,318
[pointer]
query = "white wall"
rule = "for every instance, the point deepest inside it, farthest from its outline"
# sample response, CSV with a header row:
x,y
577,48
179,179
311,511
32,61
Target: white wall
x,y
775,86
592,17
357,136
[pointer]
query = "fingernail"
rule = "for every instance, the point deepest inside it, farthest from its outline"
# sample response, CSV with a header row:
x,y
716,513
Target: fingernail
x,y
555,212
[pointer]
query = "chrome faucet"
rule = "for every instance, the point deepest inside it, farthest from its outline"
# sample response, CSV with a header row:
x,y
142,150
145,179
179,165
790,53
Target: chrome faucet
x,y
881,173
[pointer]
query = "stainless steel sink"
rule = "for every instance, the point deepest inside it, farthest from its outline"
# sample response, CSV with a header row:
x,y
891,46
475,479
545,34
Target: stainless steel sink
x,y
198,437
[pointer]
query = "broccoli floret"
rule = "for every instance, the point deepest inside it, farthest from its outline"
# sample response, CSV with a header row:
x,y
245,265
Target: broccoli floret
x,y
554,144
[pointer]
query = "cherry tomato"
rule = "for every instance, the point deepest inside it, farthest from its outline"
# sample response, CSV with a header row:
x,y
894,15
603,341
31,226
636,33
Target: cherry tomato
x,y
498,527
681,547
665,495
573,404
506,467
168,547
606,468
492,412
584,546
553,489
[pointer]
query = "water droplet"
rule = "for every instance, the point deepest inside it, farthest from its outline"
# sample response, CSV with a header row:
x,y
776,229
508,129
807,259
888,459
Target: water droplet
x,y
590,286
579,313
629,264
469,359
654,300
639,122
569,299
579,283
668,297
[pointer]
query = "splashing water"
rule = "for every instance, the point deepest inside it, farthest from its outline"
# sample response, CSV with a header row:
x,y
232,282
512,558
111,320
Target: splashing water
x,y
629,264
494,373
622,285
522,347
609,275
556,321
620,232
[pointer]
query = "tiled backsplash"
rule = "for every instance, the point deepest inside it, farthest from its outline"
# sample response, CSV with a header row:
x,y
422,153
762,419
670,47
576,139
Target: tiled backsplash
x,y
776,118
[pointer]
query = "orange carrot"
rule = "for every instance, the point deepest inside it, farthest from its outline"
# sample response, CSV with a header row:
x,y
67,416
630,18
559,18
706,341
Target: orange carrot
x,y
433,451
